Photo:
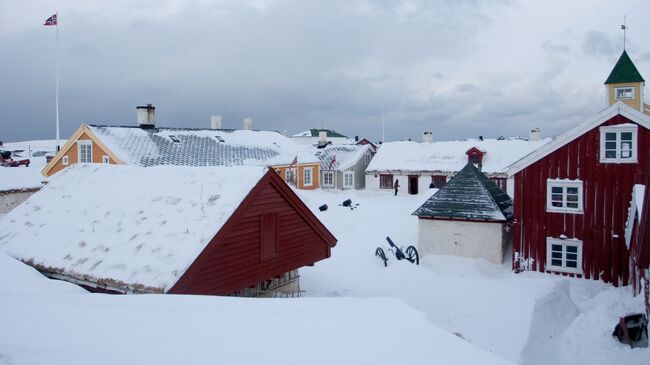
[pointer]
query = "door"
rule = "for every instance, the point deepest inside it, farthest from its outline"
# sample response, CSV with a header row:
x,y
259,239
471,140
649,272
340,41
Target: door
x,y
413,184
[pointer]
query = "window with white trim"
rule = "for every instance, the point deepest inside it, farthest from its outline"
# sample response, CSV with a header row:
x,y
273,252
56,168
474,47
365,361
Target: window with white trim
x,y
564,196
564,255
618,143
328,178
85,149
385,181
368,158
105,159
623,93
307,181
348,180
65,161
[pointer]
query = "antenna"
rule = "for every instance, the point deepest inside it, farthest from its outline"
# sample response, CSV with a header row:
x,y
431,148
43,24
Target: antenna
x,y
624,28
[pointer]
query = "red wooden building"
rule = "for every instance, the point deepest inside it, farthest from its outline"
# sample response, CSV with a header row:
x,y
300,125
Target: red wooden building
x,y
571,197
168,229
637,238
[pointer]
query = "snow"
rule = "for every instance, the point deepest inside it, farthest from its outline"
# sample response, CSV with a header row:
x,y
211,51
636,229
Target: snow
x,y
344,156
449,156
635,211
26,177
139,226
447,310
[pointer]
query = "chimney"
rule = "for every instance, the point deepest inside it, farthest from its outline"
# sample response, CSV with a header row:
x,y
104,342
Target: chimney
x,y
535,135
322,137
427,136
215,121
145,116
248,123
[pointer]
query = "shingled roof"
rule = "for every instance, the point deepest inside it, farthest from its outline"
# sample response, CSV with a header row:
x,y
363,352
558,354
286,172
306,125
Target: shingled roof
x,y
200,147
624,71
468,195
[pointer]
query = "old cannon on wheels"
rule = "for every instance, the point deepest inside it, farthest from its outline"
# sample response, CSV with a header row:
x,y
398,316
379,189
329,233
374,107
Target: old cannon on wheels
x,y
410,254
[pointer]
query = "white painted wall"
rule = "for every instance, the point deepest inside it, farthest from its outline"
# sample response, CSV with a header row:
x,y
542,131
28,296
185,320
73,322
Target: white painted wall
x,y
458,238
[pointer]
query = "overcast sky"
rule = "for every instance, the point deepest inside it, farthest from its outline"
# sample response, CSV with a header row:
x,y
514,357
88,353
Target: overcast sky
x,y
459,68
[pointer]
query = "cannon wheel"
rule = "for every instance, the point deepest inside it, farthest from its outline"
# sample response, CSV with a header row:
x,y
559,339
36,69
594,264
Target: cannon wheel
x,y
379,252
412,255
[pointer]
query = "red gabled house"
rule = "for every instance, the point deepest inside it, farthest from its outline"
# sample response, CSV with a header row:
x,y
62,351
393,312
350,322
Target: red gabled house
x,y
571,196
168,229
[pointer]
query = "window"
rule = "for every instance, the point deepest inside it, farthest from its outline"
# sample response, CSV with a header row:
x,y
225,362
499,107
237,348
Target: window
x,y
500,182
64,160
85,151
105,159
564,196
564,255
328,178
307,181
269,246
368,158
624,93
386,181
618,143
439,181
290,176
348,180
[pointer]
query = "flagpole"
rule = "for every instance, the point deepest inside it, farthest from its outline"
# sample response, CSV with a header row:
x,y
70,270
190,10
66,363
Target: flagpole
x,y
58,145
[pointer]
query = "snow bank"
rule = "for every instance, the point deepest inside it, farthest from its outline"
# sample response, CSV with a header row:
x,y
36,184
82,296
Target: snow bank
x,y
18,278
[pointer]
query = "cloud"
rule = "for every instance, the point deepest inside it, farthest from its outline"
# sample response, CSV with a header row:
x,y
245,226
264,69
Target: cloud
x,y
599,44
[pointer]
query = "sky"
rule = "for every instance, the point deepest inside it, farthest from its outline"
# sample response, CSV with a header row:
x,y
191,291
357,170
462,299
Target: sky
x,y
459,68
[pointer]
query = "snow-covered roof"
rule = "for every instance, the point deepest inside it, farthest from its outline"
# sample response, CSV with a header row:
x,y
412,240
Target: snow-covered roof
x,y
449,156
344,156
314,133
582,128
468,195
125,224
200,147
635,212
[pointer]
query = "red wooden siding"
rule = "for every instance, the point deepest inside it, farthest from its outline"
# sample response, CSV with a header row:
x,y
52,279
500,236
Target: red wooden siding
x,y
607,188
271,233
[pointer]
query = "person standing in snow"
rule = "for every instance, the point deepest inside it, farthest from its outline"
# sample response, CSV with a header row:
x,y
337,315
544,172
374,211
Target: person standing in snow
x,y
396,186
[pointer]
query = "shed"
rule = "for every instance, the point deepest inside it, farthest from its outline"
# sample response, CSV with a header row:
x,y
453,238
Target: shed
x,y
168,229
467,217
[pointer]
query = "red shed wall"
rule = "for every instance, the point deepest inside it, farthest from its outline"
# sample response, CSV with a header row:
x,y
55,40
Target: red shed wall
x,y
607,190
232,260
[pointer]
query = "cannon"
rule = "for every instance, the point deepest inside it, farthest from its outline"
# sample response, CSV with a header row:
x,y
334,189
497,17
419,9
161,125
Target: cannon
x,y
410,254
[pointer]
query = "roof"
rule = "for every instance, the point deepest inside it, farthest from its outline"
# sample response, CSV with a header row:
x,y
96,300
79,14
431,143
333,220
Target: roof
x,y
468,195
314,133
450,156
624,71
138,227
200,147
582,128
344,156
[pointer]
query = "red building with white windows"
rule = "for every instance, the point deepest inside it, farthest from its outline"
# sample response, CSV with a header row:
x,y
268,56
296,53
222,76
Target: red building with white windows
x,y
572,196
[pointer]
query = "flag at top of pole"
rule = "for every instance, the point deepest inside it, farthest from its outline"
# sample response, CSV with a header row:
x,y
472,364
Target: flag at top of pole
x,y
52,20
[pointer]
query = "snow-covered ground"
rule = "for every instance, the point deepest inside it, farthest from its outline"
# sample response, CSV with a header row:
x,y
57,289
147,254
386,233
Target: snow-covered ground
x,y
26,177
355,310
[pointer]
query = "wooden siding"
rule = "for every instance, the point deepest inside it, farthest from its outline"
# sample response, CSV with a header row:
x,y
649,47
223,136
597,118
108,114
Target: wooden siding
x,y
73,155
233,260
607,188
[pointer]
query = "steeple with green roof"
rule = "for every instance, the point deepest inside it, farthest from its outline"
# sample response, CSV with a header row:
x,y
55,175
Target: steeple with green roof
x,y
625,84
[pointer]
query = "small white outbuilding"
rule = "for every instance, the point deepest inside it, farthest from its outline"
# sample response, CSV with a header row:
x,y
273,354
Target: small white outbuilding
x,y
468,217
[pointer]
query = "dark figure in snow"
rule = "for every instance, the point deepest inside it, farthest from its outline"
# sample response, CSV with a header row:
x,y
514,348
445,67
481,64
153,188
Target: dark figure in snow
x,y
396,186
431,185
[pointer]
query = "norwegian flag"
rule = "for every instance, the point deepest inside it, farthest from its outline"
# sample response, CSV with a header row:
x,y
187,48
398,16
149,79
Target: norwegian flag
x,y
332,162
295,161
53,20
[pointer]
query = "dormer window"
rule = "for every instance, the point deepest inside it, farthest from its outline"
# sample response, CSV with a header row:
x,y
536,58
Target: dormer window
x,y
624,93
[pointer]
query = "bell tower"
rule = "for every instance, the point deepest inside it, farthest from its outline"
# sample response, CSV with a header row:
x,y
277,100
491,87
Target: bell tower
x,y
626,84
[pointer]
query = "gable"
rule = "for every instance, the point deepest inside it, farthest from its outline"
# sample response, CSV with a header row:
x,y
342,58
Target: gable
x,y
590,124
243,254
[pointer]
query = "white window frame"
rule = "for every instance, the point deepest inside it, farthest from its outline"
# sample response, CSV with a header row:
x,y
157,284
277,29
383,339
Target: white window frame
x,y
550,241
308,176
106,159
630,88
349,174
564,184
65,161
328,178
618,130
368,158
80,145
